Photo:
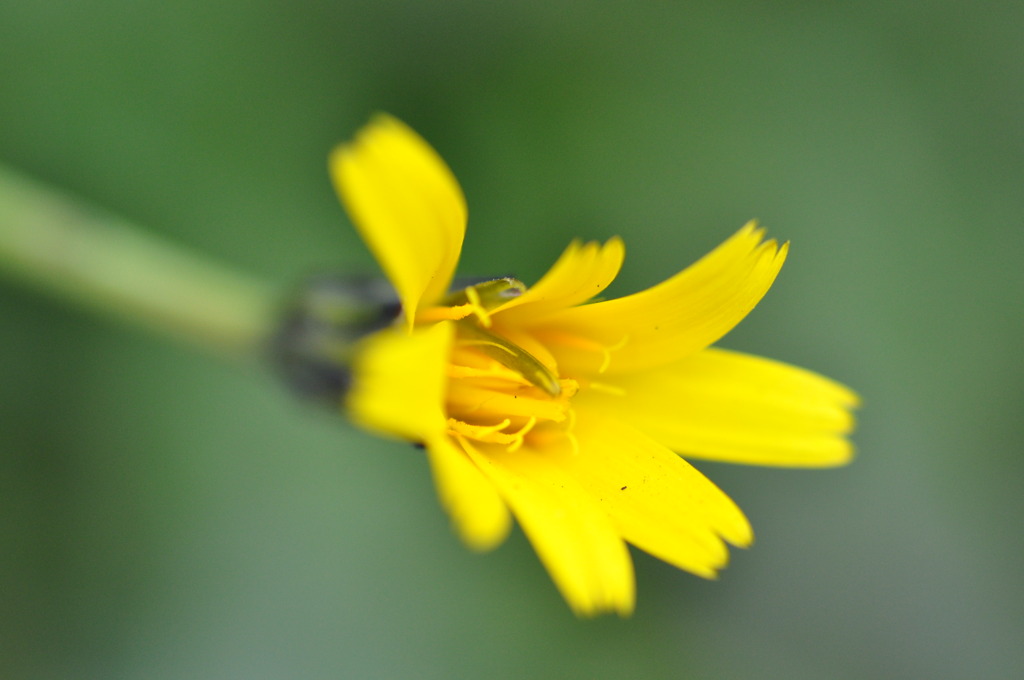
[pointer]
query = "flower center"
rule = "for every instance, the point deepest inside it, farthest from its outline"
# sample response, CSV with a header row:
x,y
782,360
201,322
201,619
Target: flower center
x,y
499,391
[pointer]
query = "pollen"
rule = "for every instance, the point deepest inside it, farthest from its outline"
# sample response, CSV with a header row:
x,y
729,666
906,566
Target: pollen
x,y
478,336
500,433
498,392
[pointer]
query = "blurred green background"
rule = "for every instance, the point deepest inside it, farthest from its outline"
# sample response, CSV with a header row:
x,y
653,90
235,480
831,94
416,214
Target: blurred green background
x,y
167,515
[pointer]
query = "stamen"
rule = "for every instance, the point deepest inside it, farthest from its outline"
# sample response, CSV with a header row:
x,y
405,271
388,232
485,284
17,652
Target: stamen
x,y
492,434
607,353
484,403
478,301
557,436
455,313
511,356
571,434
478,309
587,345
501,377
520,436
605,388
478,432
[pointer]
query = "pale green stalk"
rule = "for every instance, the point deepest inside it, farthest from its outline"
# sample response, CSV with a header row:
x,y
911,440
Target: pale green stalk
x,y
59,244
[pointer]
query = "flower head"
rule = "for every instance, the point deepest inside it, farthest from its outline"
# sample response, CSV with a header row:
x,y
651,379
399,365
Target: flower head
x,y
571,415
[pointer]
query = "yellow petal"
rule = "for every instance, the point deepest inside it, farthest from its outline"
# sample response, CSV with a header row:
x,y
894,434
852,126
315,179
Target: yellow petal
x,y
407,206
738,408
476,509
686,313
572,535
398,382
582,272
659,502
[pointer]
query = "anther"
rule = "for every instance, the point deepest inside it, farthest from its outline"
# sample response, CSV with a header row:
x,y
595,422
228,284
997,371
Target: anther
x,y
510,356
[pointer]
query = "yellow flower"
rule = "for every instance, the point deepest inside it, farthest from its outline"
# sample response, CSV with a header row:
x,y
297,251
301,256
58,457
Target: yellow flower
x,y
567,413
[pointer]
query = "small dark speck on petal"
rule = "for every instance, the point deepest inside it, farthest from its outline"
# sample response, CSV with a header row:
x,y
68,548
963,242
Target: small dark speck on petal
x,y
622,489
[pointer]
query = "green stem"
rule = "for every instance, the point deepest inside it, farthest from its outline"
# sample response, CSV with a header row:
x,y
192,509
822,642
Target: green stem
x,y
57,243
